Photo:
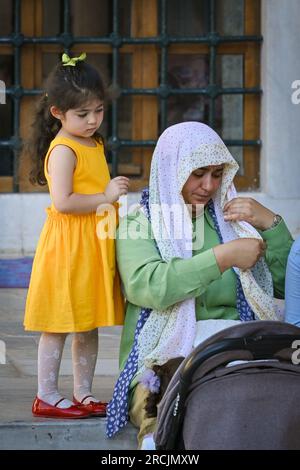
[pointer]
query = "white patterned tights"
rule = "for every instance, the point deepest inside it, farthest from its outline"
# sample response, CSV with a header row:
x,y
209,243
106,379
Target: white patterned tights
x,y
84,355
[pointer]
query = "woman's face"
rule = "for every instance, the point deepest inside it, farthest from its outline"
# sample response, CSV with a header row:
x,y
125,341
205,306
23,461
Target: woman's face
x,y
202,184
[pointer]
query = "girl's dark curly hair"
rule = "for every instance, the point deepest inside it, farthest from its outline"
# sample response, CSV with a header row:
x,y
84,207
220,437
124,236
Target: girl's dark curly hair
x,y
67,87
165,372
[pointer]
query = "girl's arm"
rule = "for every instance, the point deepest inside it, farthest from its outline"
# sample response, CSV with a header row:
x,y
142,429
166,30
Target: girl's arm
x,y
61,166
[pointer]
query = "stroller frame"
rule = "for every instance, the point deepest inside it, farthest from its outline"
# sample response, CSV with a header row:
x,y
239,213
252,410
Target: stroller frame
x,y
261,347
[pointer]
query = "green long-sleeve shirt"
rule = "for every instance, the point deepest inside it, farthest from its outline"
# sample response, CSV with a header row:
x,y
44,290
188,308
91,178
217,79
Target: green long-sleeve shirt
x,y
149,281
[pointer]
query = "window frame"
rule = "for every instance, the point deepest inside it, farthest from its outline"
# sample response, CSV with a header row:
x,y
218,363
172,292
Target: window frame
x,y
149,45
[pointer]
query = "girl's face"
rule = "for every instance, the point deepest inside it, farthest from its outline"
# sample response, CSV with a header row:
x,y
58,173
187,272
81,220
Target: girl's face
x,y
202,184
83,121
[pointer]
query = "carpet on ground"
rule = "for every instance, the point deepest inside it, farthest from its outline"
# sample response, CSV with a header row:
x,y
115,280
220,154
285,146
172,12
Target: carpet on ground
x,y
15,272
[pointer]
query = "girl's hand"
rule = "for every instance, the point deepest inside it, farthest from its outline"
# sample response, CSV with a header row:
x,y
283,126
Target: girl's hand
x,y
249,210
116,187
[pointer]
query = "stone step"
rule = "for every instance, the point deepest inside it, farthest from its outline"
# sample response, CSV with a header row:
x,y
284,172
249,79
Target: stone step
x,y
20,430
18,386
87,434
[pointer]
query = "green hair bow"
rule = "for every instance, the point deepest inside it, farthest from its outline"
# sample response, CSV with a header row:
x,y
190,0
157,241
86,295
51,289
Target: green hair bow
x,y
66,60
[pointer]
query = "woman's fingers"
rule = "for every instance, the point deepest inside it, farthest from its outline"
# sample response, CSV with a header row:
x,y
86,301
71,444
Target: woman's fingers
x,y
238,209
243,206
233,217
238,200
231,204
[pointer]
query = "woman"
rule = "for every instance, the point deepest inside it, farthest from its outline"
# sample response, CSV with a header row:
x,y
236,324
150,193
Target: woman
x,y
177,270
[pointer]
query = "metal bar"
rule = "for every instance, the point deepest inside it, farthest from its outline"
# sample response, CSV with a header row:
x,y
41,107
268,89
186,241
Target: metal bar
x,y
67,17
16,98
154,91
242,143
114,111
24,92
149,143
190,91
217,38
66,34
163,66
130,40
137,143
7,143
212,64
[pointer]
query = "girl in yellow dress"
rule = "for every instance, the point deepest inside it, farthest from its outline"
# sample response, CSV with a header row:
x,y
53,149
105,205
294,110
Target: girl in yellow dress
x,y
74,286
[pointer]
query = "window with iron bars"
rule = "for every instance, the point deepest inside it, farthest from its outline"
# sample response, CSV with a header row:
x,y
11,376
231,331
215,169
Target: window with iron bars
x,y
166,60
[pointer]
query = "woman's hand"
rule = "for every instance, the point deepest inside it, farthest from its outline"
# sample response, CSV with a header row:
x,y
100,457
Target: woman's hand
x,y
242,253
116,187
248,210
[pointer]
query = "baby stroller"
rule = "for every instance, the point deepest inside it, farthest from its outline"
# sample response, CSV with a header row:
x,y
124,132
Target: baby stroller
x,y
216,403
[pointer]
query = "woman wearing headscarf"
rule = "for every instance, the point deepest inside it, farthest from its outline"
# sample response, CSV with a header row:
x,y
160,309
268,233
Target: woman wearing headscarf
x,y
192,253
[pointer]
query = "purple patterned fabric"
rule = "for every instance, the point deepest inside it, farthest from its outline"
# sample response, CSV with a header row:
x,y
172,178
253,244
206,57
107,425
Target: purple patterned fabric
x,y
150,380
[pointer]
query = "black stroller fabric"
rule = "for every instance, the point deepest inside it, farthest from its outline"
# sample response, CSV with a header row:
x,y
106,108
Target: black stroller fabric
x,y
254,405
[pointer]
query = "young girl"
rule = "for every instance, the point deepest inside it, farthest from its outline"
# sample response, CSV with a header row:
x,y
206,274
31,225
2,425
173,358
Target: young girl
x,y
74,287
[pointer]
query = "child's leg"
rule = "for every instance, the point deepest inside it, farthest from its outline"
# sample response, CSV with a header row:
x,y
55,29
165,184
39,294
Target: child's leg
x,y
84,352
49,358
292,285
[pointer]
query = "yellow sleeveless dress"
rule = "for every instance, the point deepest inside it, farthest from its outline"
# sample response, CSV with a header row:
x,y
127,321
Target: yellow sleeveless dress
x,y
74,284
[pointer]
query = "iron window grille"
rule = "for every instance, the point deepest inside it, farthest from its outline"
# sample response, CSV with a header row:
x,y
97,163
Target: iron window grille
x,y
66,39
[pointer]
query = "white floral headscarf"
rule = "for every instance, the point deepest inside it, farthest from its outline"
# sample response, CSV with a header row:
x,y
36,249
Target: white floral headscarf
x,y
180,150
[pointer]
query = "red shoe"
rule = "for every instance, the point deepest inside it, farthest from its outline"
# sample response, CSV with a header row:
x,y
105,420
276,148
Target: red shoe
x,y
41,408
95,408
